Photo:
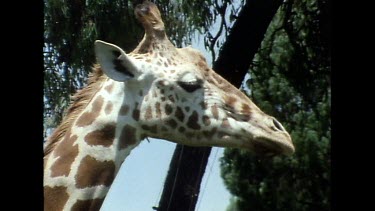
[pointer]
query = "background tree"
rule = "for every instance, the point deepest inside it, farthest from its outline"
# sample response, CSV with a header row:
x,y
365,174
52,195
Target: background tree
x,y
290,79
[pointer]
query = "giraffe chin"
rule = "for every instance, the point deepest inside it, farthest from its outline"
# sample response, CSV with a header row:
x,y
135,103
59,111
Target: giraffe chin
x,y
262,147
267,148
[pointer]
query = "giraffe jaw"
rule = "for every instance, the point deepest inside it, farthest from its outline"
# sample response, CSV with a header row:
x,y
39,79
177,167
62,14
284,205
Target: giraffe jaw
x,y
267,147
264,145
267,136
259,140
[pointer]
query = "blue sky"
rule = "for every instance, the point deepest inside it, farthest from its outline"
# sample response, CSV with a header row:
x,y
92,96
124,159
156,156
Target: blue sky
x,y
139,184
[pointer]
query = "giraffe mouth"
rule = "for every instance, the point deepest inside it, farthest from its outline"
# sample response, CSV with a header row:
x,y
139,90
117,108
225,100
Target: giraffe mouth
x,y
267,149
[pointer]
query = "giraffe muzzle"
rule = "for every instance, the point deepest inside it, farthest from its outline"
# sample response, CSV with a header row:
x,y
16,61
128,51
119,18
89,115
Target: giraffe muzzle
x,y
270,138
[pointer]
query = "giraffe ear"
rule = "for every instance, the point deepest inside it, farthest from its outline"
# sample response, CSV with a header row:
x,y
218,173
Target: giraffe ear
x,y
114,61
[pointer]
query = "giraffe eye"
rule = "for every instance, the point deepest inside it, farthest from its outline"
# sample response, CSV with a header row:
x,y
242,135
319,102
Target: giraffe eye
x,y
190,86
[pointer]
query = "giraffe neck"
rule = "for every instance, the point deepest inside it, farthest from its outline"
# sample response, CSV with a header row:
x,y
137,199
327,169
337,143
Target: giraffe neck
x,y
81,168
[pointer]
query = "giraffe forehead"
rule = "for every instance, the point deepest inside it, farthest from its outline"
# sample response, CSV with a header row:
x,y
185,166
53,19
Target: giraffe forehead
x,y
175,69
173,57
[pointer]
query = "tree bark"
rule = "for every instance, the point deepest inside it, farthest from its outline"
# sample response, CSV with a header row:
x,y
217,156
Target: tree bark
x,y
187,167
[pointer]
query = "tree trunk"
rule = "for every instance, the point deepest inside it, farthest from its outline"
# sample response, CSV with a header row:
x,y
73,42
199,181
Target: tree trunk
x,y
182,185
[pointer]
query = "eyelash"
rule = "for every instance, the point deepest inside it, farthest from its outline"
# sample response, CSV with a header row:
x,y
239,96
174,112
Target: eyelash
x,y
190,86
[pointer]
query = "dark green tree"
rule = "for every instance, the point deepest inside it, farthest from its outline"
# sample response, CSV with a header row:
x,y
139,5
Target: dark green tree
x,y
290,79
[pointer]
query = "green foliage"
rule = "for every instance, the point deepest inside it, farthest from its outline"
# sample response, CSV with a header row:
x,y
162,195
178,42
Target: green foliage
x,y
233,204
290,79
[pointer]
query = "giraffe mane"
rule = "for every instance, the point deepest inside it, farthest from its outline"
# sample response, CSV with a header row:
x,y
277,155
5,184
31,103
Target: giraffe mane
x,y
79,101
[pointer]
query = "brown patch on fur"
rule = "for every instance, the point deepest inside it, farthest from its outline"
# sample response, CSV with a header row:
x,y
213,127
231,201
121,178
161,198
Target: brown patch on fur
x,y
193,121
154,94
89,117
103,137
230,101
86,118
109,88
168,109
79,102
158,110
66,153
179,114
206,120
108,108
209,134
203,105
92,172
202,64
172,123
127,137
124,110
225,124
245,108
148,113
246,117
181,129
171,98
215,111
161,83
136,112
55,197
152,129
88,205
246,111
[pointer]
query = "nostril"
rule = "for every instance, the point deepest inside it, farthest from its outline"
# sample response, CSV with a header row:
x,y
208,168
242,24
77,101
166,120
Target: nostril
x,y
278,124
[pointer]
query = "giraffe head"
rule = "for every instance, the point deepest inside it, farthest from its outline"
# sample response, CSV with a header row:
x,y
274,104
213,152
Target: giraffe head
x,y
179,98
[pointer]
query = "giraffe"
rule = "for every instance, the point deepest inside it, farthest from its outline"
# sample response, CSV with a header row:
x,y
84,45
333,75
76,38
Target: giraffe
x,y
157,91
